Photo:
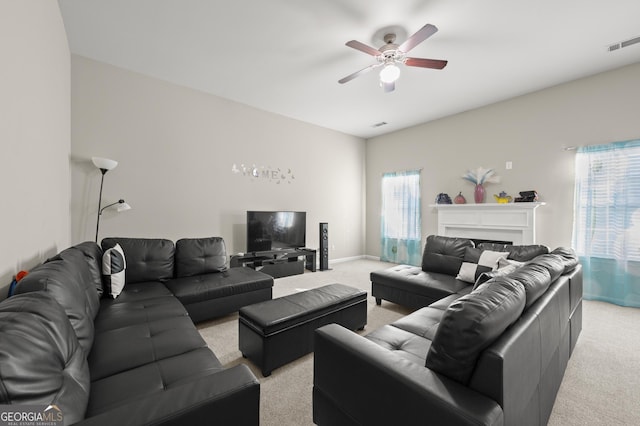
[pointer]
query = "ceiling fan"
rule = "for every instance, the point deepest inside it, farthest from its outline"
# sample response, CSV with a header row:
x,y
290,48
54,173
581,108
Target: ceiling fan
x,y
391,54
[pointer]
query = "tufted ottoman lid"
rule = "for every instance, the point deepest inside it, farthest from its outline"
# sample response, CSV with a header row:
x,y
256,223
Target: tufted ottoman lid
x,y
278,314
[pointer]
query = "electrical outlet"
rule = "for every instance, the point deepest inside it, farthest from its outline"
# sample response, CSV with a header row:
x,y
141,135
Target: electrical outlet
x,y
508,165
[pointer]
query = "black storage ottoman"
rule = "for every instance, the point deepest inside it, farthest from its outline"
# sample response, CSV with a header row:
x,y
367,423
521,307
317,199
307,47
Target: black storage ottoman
x,y
276,332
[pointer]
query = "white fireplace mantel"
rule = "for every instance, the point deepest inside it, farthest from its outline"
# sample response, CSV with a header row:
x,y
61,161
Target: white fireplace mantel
x,y
491,221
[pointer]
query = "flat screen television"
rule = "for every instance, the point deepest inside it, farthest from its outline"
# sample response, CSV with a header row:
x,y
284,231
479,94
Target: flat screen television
x,y
275,230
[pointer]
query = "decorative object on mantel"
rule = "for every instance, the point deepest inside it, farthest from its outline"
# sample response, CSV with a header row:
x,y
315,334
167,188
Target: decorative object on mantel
x,y
460,199
479,177
443,198
526,197
502,198
268,173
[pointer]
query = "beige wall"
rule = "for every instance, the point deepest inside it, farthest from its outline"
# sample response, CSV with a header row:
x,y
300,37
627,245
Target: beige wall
x,y
34,135
530,131
176,148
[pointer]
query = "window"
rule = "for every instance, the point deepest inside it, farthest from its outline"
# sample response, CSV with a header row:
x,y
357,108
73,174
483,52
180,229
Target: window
x,y
401,217
607,208
606,232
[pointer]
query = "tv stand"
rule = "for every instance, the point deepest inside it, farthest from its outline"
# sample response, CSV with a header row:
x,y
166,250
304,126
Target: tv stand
x,y
278,263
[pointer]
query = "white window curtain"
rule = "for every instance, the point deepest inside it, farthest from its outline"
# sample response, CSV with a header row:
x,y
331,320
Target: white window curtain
x,y
401,218
606,233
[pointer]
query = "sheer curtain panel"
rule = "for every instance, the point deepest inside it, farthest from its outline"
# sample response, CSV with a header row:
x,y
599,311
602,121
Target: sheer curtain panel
x,y
401,218
606,232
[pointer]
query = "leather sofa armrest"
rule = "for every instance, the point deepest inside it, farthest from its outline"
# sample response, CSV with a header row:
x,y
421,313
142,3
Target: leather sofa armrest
x,y
359,382
231,396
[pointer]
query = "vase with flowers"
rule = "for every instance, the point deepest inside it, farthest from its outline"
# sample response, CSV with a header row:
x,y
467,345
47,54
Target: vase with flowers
x,y
479,177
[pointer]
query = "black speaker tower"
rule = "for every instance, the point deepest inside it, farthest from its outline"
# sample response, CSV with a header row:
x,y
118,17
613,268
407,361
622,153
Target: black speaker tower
x,y
324,246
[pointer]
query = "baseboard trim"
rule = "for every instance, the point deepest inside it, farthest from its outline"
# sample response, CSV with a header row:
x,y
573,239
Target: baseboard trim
x,y
346,259
349,259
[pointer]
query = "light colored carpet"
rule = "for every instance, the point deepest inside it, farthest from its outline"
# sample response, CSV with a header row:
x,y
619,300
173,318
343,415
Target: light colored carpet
x,y
598,388
602,380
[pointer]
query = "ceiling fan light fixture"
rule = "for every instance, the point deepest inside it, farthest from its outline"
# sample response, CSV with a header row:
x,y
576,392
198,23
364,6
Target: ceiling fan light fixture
x,y
389,73
391,55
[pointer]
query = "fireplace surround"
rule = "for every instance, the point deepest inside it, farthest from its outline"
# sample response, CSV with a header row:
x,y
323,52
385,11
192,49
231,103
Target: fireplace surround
x,y
513,222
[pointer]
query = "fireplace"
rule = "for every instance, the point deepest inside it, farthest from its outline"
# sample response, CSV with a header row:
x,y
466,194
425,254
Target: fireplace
x,y
513,222
477,241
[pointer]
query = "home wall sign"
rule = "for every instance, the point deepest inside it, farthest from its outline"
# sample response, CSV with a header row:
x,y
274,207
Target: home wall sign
x,y
264,173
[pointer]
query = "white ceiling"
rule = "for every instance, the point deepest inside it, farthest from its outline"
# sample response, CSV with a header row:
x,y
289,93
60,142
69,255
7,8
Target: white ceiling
x,y
286,56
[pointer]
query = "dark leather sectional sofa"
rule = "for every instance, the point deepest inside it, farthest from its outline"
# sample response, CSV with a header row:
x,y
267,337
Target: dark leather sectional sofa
x,y
137,359
490,355
419,286
184,270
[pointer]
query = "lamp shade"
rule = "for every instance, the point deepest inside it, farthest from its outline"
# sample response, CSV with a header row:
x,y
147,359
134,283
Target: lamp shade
x,y
123,207
389,73
104,163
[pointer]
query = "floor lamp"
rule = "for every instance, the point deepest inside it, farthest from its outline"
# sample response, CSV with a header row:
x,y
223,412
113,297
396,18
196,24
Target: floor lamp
x,y
105,164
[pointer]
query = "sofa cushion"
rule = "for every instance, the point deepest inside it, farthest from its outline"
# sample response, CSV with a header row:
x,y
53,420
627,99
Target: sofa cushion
x,y
535,280
471,323
40,358
148,259
93,257
141,291
424,322
477,261
218,285
554,263
521,253
196,256
125,311
82,262
444,254
114,268
58,277
131,346
568,256
413,279
152,379
537,275
406,344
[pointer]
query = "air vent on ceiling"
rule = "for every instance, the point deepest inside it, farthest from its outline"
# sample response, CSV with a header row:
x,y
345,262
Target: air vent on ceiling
x,y
382,123
622,44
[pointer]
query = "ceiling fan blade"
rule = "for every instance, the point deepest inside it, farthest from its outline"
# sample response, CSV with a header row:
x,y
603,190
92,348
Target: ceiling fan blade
x,y
388,87
426,63
421,35
363,47
357,73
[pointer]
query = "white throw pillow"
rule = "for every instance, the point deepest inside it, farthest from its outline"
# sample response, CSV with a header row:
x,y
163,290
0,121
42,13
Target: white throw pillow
x,y
488,261
505,267
113,270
